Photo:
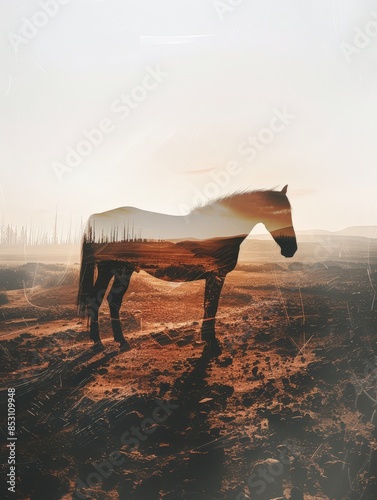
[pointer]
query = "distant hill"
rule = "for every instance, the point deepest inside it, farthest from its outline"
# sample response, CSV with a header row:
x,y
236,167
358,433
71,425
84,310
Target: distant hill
x,y
348,245
357,231
361,231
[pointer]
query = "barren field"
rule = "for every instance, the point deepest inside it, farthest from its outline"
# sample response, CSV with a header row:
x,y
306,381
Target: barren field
x,y
287,411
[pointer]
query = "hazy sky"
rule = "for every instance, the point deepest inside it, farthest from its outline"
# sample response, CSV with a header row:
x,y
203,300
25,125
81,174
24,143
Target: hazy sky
x,y
181,89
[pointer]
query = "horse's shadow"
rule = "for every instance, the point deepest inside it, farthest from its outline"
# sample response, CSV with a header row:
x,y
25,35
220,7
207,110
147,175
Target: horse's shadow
x,y
194,465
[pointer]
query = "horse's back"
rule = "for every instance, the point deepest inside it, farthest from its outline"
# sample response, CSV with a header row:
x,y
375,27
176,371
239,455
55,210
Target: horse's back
x,y
125,223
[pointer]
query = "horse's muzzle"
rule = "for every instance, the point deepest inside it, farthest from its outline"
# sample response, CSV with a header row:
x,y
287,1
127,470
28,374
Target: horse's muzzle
x,y
288,245
289,250
288,254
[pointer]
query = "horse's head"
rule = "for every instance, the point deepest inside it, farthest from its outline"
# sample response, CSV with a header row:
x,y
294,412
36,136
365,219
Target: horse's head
x,y
278,222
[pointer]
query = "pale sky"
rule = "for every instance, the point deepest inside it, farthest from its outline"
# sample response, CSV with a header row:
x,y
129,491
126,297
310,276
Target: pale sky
x,y
278,70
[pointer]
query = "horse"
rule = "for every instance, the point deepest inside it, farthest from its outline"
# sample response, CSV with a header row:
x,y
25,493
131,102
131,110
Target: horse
x,y
202,245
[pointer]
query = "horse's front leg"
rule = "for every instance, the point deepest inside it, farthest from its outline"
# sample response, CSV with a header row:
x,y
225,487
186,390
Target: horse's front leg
x,y
214,284
114,299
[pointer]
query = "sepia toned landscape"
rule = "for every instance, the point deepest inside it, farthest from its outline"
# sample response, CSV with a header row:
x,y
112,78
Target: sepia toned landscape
x,y
188,250
287,411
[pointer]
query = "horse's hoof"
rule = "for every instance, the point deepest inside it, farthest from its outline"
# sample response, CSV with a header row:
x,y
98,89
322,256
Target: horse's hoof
x,y
98,346
212,349
124,345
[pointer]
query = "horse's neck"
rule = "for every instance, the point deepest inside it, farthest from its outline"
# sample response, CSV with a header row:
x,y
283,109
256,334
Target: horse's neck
x,y
244,210
254,206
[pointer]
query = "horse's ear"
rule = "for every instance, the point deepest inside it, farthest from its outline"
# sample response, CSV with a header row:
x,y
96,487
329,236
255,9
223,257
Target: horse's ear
x,y
285,189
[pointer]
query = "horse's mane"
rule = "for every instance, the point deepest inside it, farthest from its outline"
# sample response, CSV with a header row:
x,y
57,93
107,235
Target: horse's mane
x,y
236,194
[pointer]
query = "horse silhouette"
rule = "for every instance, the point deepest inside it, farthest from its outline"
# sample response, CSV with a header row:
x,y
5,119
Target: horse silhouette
x,y
201,245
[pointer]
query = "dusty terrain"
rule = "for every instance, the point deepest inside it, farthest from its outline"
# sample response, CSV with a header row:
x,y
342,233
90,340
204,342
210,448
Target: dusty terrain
x,y
287,411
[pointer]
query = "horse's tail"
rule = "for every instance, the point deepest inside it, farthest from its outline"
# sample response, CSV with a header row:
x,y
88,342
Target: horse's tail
x,y
86,281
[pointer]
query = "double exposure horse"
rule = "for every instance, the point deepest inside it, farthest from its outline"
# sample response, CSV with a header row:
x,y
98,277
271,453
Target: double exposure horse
x,y
203,245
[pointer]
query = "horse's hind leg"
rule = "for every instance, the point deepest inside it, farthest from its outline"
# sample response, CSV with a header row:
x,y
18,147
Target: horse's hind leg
x,y
114,299
99,290
214,284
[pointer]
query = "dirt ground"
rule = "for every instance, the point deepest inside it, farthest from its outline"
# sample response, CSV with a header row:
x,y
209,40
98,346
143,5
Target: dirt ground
x,y
287,411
